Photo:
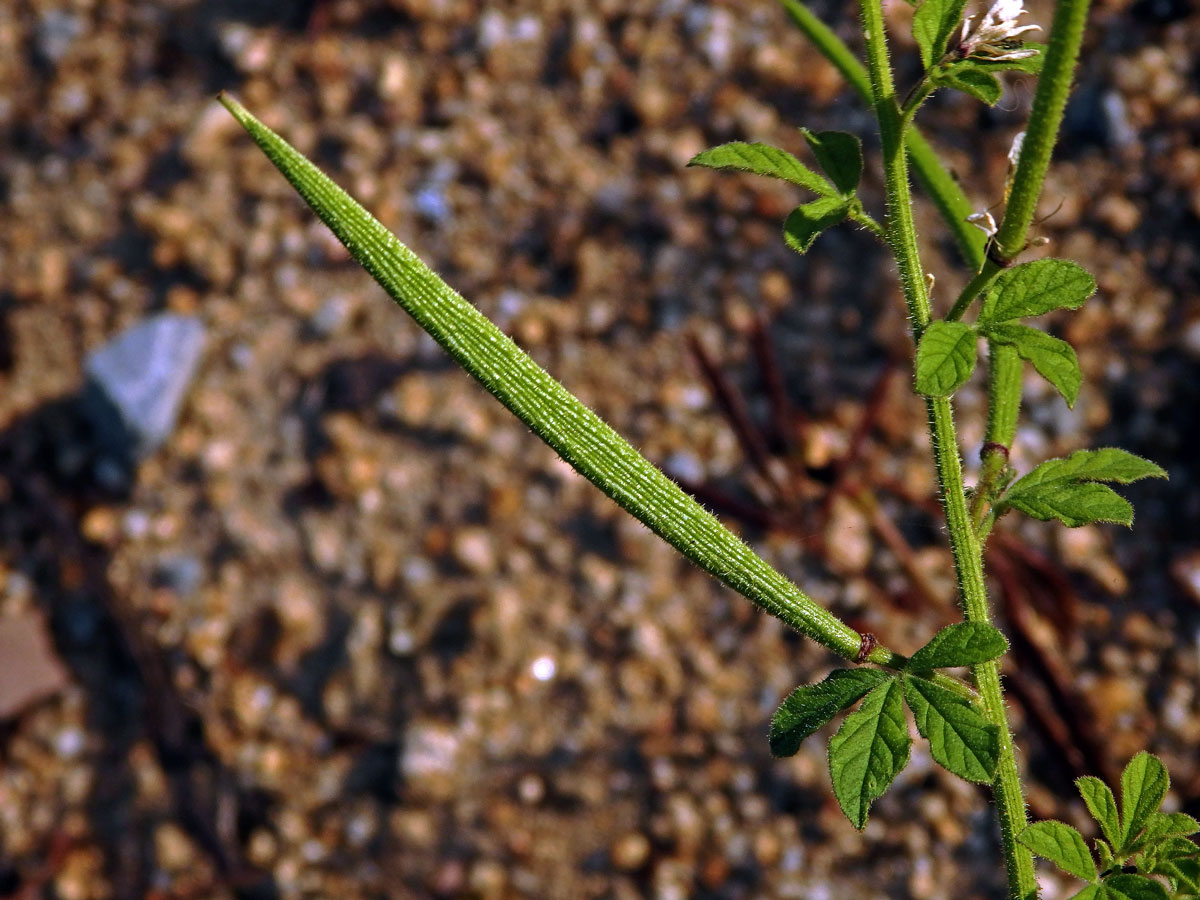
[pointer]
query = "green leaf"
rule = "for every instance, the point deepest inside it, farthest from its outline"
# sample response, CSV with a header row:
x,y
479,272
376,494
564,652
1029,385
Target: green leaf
x,y
1054,359
1164,825
577,434
763,159
1034,288
1091,892
960,738
1064,489
1144,784
1062,845
1174,848
868,751
1105,464
945,357
1182,874
943,189
1134,887
1188,872
810,706
840,156
980,84
1074,503
805,222
933,23
1106,855
961,644
1101,803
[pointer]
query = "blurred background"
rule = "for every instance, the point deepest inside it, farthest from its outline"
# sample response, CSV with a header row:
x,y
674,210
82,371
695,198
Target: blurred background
x,y
289,607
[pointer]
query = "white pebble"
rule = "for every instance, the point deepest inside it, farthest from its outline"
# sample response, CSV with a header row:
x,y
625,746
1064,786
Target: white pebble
x,y
543,668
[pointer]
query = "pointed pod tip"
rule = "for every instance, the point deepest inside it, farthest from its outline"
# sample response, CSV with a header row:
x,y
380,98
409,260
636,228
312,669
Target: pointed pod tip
x,y
236,109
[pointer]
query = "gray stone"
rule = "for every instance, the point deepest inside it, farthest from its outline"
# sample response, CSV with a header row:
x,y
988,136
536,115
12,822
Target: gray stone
x,y
137,381
181,573
431,203
56,32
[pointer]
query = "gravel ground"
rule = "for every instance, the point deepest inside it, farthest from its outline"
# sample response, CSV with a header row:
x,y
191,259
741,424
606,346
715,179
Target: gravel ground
x,y
352,632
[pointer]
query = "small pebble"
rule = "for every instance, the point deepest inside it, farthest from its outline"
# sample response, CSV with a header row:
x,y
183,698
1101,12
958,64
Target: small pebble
x,y
631,851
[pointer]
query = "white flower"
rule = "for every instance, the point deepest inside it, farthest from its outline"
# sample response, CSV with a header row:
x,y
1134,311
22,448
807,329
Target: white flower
x,y
984,222
1014,157
1014,152
996,34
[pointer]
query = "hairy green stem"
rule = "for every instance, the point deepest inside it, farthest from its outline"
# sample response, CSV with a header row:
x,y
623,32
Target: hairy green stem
x,y
1045,120
901,229
1041,134
964,543
1005,366
919,94
868,222
1005,369
832,47
973,289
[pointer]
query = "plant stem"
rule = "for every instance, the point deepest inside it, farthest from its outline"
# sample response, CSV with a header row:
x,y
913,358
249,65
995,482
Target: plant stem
x,y
919,94
869,223
964,543
901,229
1045,119
1004,406
1004,366
832,47
973,289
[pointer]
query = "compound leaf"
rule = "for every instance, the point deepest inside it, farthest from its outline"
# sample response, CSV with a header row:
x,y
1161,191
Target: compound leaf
x,y
1053,359
1034,288
810,706
945,357
1062,845
1099,799
869,750
960,738
762,159
805,222
961,644
840,156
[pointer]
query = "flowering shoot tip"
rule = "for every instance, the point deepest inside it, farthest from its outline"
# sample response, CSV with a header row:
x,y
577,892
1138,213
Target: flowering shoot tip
x,y
996,35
